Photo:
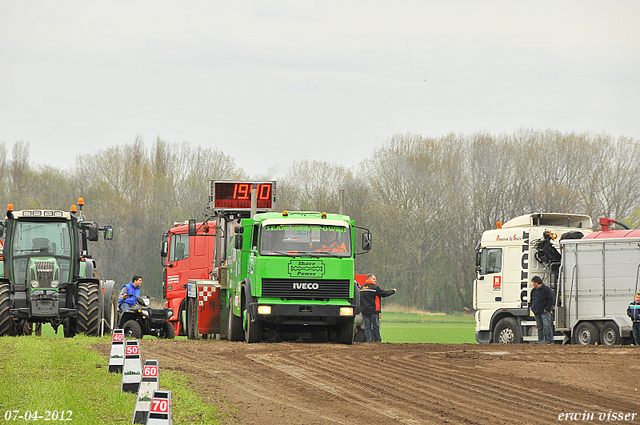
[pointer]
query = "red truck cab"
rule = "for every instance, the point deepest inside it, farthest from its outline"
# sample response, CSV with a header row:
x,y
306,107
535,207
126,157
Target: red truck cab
x,y
185,257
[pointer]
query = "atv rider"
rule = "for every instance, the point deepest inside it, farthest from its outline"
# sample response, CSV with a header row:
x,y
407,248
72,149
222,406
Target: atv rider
x,y
130,293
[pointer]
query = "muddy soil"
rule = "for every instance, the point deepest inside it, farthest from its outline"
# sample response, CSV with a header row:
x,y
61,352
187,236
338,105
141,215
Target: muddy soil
x,y
305,383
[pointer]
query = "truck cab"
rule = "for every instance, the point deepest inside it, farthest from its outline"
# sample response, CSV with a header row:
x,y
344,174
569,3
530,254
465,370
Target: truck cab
x,y
506,259
293,272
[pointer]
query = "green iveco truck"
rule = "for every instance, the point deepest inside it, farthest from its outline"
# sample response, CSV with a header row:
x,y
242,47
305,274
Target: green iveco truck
x,y
293,272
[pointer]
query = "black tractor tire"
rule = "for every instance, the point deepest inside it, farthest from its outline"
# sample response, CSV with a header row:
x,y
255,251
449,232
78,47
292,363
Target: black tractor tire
x,y
69,327
345,333
235,326
586,333
253,331
507,331
192,319
132,329
610,334
168,331
5,309
88,306
110,307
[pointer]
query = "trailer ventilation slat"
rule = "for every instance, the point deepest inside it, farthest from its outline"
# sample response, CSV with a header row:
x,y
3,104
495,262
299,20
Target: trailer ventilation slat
x,y
308,289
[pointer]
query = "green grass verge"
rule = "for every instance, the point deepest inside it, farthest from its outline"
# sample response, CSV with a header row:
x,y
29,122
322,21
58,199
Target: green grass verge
x,y
410,327
52,374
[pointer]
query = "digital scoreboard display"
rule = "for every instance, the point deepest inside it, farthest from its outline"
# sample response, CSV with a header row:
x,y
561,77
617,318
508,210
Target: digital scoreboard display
x,y
230,195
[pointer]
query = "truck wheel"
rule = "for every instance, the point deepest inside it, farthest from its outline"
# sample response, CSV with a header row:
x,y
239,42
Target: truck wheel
x,y
345,333
610,335
253,332
132,329
88,308
110,307
507,331
235,326
5,312
586,334
192,319
168,331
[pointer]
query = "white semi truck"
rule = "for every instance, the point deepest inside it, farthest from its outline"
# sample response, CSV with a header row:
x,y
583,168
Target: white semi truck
x,y
593,276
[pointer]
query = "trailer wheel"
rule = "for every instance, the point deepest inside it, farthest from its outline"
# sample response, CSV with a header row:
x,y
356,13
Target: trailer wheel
x,y
253,331
5,312
586,334
235,326
609,335
507,331
88,308
132,329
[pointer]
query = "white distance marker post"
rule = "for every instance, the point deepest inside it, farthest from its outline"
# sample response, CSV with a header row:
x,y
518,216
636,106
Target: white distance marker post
x,y
116,358
161,412
148,385
132,369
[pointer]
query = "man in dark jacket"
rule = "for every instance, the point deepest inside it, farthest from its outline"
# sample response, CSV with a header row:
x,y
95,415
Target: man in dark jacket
x,y
541,306
370,294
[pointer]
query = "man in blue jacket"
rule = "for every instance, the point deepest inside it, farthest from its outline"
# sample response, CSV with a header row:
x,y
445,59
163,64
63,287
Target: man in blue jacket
x,y
541,305
634,312
130,293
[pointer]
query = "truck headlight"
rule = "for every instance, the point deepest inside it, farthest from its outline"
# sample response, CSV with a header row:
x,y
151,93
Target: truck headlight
x,y
34,284
346,311
264,310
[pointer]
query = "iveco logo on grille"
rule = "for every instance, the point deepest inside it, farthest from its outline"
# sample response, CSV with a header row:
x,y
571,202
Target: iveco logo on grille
x,y
305,285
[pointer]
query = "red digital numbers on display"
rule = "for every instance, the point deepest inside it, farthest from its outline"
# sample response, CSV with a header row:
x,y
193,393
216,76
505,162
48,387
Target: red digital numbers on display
x,y
237,195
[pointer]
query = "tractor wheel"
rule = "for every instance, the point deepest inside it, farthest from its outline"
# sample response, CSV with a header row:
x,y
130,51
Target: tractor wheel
x,y
69,327
586,334
235,326
88,308
168,331
110,307
253,330
5,312
507,331
132,329
345,333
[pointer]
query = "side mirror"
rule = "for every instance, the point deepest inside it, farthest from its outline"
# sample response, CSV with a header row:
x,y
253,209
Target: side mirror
x,y
108,233
93,232
238,242
164,249
238,229
192,227
366,241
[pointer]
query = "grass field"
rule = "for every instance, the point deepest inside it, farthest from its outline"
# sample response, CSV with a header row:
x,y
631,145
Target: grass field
x,y
424,327
65,378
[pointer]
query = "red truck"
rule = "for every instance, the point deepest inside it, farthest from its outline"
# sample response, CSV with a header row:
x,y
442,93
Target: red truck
x,y
185,257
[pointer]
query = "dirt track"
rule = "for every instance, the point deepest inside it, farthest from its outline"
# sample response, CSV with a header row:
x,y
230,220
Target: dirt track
x,y
298,383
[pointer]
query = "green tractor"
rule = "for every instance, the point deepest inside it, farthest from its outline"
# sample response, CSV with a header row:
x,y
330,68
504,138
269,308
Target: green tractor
x,y
48,276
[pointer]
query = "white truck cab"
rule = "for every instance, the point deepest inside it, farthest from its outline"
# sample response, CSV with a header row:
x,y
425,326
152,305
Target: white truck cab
x,y
506,259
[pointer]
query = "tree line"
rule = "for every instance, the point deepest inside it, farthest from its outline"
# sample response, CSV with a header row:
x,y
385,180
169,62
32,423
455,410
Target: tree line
x,y
426,200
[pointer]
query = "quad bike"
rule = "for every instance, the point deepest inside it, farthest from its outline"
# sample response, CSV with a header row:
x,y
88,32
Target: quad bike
x,y
140,320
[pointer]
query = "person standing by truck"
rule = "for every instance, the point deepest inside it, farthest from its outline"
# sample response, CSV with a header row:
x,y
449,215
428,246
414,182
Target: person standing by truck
x,y
541,306
634,313
370,294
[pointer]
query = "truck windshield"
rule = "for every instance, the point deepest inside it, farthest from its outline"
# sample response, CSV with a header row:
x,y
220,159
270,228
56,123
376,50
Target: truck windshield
x,y
305,240
38,239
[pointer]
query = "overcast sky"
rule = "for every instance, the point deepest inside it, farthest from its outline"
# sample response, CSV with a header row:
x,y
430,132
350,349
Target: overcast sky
x,y
273,82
